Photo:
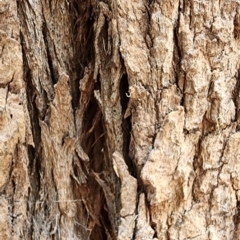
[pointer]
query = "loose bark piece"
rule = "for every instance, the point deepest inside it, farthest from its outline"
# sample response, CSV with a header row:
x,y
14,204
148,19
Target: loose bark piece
x,y
128,198
143,229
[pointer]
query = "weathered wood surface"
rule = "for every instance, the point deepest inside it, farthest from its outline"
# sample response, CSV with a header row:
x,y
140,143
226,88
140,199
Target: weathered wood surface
x,y
119,119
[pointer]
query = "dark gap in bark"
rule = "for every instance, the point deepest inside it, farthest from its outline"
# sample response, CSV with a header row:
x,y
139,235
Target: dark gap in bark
x,y
4,85
236,217
10,209
126,124
191,15
210,90
194,185
34,170
183,6
84,35
94,144
236,98
97,85
53,72
150,10
154,136
124,88
146,190
103,45
43,110
236,23
82,216
152,224
98,233
197,166
33,152
198,151
177,57
91,119
183,89
97,163
147,33
105,219
83,42
207,126
31,97
75,92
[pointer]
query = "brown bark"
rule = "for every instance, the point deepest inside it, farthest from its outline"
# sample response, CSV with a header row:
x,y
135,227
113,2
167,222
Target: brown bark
x,y
119,119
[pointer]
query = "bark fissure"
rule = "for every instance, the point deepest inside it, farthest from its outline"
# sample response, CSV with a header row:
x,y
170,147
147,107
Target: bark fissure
x,y
50,56
119,119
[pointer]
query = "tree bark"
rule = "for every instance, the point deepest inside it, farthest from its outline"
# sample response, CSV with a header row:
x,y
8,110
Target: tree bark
x,y
119,119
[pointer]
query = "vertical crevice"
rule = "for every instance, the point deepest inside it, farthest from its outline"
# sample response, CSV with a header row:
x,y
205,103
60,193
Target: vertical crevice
x,y
82,42
236,217
126,124
236,24
33,151
177,57
83,34
94,144
236,99
92,138
50,56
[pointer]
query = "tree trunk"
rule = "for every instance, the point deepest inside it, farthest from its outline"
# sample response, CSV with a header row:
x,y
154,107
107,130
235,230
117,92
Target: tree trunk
x,y
119,119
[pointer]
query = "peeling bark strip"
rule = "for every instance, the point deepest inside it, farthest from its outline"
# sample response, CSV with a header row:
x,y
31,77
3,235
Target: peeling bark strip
x,y
119,119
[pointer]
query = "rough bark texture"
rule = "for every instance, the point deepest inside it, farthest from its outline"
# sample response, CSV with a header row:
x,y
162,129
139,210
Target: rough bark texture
x,y
119,119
